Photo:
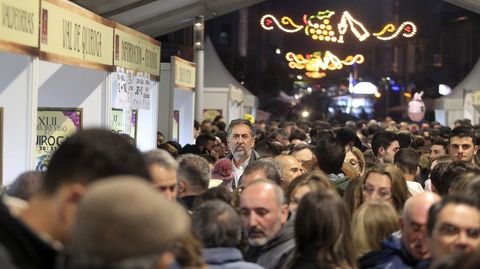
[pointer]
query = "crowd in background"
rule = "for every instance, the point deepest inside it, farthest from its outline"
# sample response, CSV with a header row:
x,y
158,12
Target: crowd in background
x,y
248,194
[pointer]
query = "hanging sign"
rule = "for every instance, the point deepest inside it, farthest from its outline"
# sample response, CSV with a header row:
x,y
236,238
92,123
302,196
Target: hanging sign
x,y
136,51
19,26
73,35
184,73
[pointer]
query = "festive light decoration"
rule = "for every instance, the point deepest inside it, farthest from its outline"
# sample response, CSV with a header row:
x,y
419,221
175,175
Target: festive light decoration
x,y
316,62
268,21
360,33
407,27
315,74
319,27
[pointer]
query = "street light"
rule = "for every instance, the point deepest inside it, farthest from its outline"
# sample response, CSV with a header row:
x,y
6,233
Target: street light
x,y
299,77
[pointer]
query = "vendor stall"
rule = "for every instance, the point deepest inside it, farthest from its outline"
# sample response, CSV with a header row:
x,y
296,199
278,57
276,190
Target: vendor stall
x,y
176,102
57,61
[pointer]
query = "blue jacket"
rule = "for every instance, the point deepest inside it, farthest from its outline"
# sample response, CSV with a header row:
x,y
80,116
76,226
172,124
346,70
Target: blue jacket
x,y
226,258
394,255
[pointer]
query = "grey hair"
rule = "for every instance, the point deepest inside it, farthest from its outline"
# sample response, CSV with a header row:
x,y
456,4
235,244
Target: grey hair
x,y
217,224
193,170
160,157
236,122
271,167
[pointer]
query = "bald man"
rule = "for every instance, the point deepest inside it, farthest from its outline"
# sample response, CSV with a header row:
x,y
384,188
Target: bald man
x,y
291,169
408,248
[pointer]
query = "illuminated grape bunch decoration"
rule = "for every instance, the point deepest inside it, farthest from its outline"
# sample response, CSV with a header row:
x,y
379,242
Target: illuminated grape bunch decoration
x,y
319,27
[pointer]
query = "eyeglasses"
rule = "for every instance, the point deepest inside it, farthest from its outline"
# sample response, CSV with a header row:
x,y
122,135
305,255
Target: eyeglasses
x,y
352,162
381,192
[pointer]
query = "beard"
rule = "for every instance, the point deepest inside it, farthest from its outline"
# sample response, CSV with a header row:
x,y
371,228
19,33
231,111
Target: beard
x,y
241,152
256,237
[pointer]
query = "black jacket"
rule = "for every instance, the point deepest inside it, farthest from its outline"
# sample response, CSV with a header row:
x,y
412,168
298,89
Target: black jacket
x,y
276,251
23,247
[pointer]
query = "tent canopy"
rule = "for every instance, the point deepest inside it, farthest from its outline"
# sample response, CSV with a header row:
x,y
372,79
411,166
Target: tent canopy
x,y
216,75
158,17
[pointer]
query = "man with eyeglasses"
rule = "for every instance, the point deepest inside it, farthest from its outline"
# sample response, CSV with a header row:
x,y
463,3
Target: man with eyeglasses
x,y
453,226
462,145
240,140
407,247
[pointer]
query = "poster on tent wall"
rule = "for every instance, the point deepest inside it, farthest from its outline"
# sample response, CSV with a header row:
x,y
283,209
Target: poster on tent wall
x,y
176,125
116,124
121,94
141,95
53,126
134,124
131,89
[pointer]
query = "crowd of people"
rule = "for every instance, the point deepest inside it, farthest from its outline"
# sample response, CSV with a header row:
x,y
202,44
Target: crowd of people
x,y
249,195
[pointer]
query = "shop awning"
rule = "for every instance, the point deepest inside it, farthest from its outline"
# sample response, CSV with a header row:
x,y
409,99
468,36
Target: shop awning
x,y
158,17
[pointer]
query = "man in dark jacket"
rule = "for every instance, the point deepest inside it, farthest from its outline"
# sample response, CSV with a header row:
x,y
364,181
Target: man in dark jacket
x,y
32,238
407,248
263,213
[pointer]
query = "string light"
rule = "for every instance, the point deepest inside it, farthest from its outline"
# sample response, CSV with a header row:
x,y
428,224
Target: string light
x,y
408,28
269,20
361,33
318,27
315,74
316,62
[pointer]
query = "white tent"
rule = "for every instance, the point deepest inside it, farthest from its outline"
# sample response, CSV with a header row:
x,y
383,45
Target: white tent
x,y
452,107
222,92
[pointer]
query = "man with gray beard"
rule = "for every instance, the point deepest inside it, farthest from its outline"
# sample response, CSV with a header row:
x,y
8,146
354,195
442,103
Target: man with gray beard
x,y
240,140
264,214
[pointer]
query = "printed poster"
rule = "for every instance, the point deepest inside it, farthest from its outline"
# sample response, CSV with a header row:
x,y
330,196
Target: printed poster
x,y
176,125
116,124
133,124
53,126
121,91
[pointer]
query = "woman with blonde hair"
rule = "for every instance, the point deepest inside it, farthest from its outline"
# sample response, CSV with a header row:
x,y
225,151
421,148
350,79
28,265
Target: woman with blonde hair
x,y
354,157
385,182
372,223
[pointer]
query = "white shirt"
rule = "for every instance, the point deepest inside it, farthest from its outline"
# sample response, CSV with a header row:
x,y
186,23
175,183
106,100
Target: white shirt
x,y
238,171
414,188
